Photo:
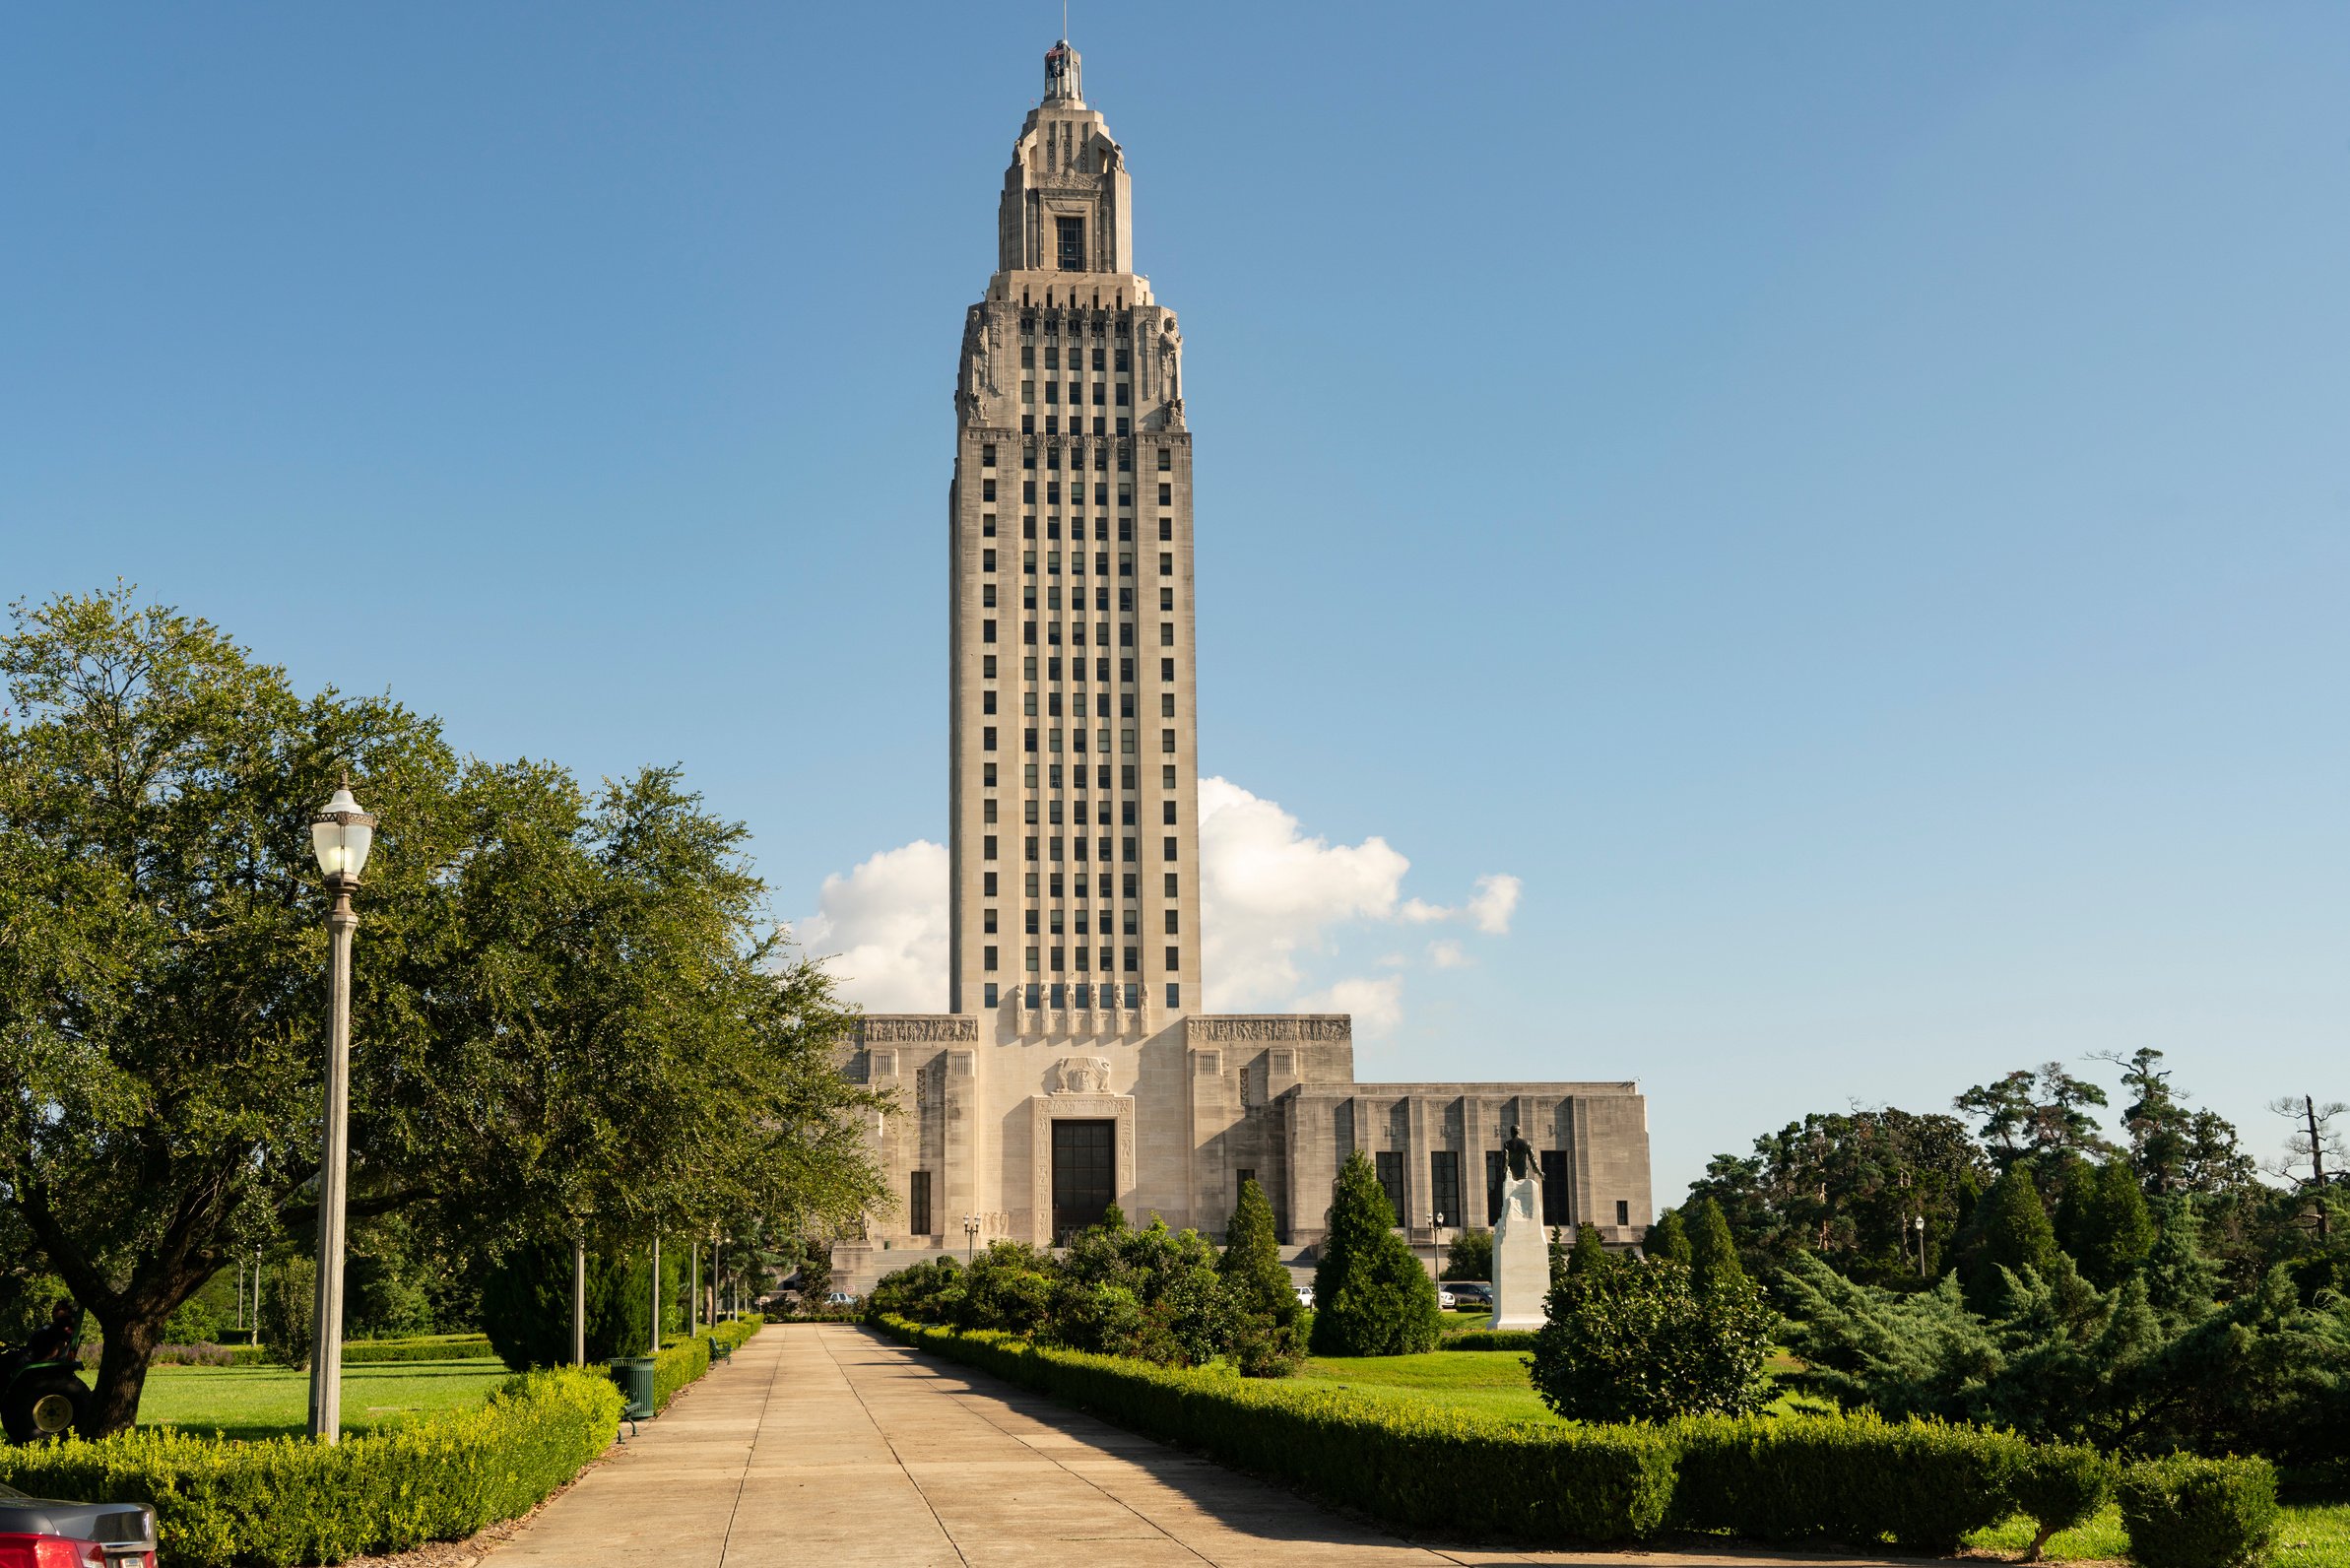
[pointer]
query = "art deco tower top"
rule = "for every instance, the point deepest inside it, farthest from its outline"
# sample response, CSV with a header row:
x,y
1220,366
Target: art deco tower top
x,y
1068,201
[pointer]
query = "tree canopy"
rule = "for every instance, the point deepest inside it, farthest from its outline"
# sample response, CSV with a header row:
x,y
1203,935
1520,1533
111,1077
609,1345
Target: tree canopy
x,y
566,1012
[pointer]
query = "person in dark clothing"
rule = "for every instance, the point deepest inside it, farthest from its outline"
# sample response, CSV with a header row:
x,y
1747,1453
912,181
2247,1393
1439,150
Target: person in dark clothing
x,y
54,1342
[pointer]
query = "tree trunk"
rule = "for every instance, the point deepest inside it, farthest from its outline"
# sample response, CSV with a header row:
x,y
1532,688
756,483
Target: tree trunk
x,y
122,1370
2308,1106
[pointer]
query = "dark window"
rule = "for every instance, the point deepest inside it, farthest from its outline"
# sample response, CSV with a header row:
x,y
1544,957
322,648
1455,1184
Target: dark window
x,y
987,490
987,632
1167,670
1444,1185
1166,494
1072,235
1623,1211
990,994
918,1205
1174,993
1122,390
987,883
1497,1167
1172,924
1166,459
1554,1188
1390,1177
986,455
1085,1174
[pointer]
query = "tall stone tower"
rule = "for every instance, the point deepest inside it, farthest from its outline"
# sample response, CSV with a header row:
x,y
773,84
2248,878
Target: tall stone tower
x,y
1075,793
1075,1065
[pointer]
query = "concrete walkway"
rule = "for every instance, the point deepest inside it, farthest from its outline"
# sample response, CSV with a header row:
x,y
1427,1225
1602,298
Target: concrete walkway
x,y
822,1444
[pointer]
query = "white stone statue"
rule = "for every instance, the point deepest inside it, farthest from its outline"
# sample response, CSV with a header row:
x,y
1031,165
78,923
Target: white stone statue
x,y
1170,361
1521,1249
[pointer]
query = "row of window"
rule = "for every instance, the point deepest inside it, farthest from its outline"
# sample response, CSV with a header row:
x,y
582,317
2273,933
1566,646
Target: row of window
x,y
1077,922
1077,425
1080,996
1052,358
1125,632
1077,740
1077,561
1077,917
1084,959
1077,848
1101,703
1076,457
1076,668
1126,776
1053,806
1052,394
988,883
1079,318
1077,528
1076,597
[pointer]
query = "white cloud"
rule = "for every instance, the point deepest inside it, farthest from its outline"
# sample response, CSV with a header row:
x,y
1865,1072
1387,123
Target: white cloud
x,y
1268,891
1495,901
1489,909
1376,1004
1271,895
885,926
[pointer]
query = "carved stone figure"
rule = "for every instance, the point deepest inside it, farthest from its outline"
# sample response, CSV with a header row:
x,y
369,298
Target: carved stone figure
x,y
1082,1075
1170,363
1521,1155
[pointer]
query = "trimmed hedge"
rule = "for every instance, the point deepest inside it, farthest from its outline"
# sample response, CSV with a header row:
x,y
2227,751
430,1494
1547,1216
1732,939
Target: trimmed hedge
x,y
1855,1478
1419,1467
222,1503
2184,1512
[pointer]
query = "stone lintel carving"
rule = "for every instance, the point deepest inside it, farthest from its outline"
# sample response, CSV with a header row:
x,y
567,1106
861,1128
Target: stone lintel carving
x,y
1334,1026
915,1027
1081,1074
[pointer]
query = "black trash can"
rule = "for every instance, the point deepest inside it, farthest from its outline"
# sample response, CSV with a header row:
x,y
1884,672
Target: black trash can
x,y
635,1375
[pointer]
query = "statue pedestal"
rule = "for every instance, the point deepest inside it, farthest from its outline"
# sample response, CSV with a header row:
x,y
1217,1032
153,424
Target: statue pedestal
x,y
1521,1258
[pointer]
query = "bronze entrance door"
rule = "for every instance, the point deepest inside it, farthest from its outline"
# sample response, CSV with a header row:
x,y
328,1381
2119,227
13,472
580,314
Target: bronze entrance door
x,y
1084,1175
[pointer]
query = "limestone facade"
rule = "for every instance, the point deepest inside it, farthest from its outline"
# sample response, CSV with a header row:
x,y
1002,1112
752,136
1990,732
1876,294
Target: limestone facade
x,y
1075,1062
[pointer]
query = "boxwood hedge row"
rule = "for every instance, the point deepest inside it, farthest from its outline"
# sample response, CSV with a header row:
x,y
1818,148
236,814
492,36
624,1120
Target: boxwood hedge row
x,y
1853,1478
220,1502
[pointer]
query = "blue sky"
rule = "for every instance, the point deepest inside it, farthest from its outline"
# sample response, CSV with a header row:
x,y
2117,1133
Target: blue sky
x,y
1846,504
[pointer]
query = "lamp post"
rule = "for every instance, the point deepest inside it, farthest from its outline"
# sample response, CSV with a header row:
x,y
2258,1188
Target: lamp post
x,y
1918,1229
971,1238
340,837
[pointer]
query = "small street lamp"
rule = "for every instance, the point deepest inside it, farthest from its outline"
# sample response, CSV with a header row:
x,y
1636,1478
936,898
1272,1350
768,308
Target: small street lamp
x,y
971,1237
1918,1229
340,837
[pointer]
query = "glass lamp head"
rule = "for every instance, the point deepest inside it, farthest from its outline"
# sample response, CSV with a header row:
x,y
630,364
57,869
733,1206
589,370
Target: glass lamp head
x,y
341,836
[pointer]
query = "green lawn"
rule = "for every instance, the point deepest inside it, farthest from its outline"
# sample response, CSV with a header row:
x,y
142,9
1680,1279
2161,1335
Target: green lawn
x,y
1491,1381
272,1402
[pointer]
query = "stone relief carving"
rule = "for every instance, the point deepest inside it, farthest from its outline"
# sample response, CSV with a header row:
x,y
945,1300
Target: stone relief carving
x,y
1268,1028
1082,1075
918,1028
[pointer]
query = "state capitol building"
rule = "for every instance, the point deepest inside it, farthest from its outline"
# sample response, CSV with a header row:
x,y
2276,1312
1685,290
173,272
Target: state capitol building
x,y
1073,1066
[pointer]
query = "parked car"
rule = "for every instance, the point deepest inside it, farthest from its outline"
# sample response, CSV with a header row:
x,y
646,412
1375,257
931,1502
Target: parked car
x,y
1305,1295
44,1530
840,1298
1469,1294
1444,1297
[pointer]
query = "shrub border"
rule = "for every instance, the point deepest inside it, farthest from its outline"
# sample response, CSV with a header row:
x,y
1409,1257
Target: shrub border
x,y
1855,1478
